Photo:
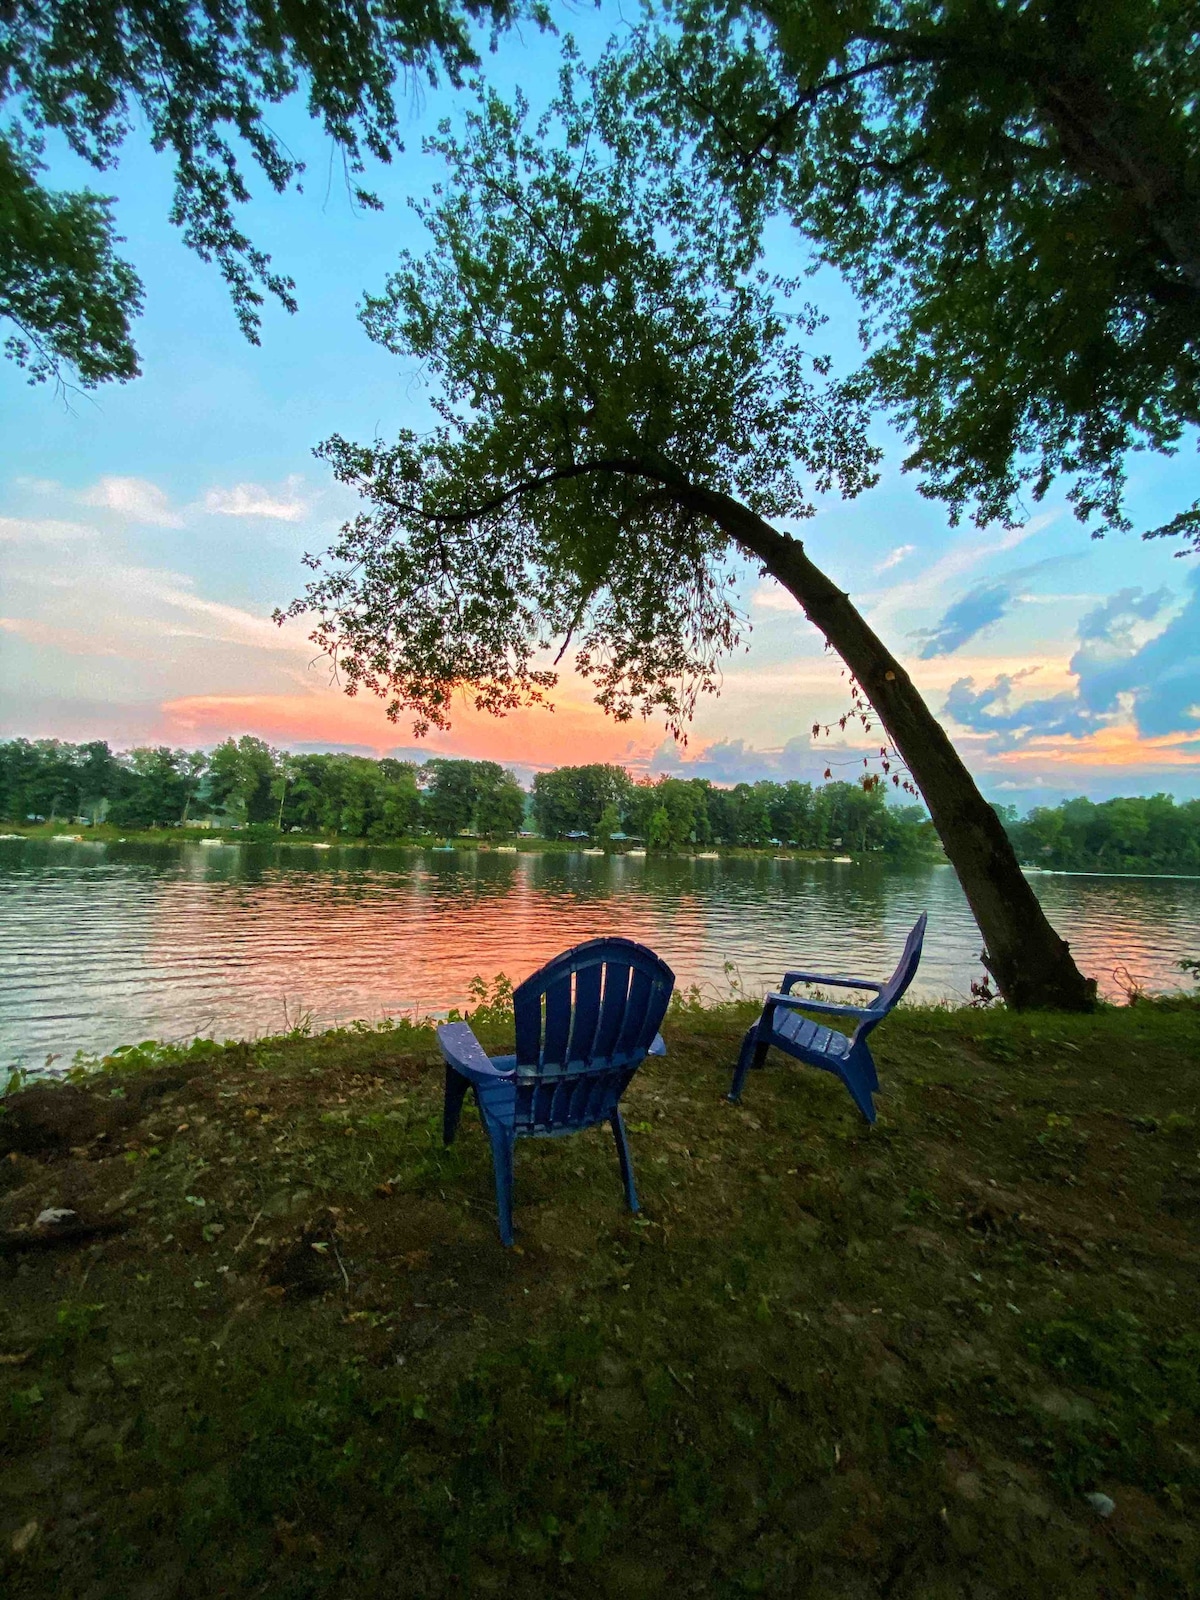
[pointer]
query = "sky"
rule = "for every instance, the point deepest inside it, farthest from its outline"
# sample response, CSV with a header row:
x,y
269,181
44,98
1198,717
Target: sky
x,y
148,531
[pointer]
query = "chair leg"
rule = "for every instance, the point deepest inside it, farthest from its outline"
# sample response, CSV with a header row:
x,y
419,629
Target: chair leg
x,y
858,1074
456,1089
502,1142
753,1054
619,1134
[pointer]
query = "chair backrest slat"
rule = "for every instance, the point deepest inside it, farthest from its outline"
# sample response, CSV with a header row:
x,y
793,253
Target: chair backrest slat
x,y
906,970
612,1007
527,1008
588,982
558,1018
906,967
641,995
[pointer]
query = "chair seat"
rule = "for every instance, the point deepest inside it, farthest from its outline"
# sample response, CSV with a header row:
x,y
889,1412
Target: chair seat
x,y
848,1057
800,1033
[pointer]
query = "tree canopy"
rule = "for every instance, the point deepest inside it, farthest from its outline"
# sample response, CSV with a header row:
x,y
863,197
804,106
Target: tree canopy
x,y
201,80
1012,187
604,351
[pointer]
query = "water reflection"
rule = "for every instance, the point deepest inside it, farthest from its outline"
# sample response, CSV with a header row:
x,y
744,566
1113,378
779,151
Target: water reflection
x,y
100,945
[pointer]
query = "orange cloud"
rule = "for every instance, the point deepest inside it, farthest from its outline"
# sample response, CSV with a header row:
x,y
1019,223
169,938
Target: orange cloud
x,y
574,732
1120,746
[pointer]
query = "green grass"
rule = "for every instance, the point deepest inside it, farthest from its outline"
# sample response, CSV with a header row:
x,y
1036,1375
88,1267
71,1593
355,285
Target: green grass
x,y
824,1361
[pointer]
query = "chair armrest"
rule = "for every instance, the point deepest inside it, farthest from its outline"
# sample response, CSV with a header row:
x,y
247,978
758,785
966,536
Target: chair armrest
x,y
799,1002
789,978
463,1051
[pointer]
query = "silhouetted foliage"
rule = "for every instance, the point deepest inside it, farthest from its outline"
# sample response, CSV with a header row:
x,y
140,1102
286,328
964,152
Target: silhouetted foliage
x,y
200,81
1012,187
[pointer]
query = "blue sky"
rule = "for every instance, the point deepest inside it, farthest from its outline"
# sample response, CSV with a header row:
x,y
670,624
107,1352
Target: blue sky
x,y
148,530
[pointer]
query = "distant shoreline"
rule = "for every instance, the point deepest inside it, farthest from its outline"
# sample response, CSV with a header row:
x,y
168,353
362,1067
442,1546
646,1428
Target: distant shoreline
x,y
45,833
261,834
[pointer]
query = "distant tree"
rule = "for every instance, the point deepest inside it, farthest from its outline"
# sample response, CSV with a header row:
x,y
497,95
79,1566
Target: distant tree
x,y
751,816
99,778
608,824
401,799
790,809
672,813
201,80
241,776
193,766
449,806
156,789
626,401
18,762
1013,189
500,800
573,799
43,778
306,798
359,789
287,771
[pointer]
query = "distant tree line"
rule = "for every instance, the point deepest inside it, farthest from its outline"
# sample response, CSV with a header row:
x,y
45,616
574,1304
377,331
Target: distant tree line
x,y
1137,834
673,813
244,782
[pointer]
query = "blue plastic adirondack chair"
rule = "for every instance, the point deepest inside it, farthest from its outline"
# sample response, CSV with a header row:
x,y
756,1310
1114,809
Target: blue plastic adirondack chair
x,y
847,1058
585,1023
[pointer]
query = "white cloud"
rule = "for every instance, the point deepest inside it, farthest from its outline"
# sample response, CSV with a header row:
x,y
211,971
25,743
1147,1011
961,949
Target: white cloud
x,y
44,530
135,498
215,622
773,596
895,557
253,500
929,587
71,641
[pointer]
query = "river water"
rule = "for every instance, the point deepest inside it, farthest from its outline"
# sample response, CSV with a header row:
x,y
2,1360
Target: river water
x,y
108,944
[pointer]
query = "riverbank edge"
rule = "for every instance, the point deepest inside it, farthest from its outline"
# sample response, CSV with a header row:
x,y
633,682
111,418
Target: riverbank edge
x,y
291,1351
264,834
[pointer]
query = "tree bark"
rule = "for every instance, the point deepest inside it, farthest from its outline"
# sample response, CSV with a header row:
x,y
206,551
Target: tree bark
x,y
1032,966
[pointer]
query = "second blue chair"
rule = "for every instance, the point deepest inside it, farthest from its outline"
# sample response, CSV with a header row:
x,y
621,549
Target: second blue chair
x,y
585,1023
846,1056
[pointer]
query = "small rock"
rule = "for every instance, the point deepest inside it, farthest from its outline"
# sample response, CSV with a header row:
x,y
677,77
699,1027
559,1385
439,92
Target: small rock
x,y
1101,1504
24,1537
52,1216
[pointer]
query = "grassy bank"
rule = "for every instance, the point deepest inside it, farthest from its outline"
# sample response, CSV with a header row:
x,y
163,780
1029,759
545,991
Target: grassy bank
x,y
280,1351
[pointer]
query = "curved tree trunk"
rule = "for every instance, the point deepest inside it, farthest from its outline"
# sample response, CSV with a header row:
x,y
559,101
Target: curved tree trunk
x,y
1032,966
